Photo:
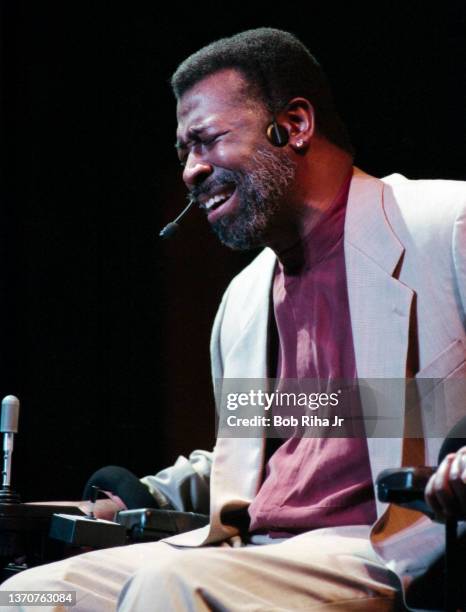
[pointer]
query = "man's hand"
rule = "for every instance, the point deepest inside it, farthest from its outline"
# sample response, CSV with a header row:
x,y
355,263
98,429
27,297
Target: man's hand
x,y
446,489
104,508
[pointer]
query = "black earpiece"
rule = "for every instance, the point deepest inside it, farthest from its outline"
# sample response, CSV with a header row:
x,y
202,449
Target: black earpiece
x,y
277,134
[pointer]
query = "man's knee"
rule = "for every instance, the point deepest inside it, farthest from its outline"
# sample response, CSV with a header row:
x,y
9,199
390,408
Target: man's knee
x,y
170,582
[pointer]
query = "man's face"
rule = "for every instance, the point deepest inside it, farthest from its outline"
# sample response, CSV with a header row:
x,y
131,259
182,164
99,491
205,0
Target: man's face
x,y
230,168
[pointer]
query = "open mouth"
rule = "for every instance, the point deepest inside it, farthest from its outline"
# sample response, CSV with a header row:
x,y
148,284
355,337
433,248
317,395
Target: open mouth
x,y
220,203
218,200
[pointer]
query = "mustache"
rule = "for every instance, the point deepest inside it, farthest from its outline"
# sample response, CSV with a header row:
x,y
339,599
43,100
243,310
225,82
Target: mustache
x,y
223,177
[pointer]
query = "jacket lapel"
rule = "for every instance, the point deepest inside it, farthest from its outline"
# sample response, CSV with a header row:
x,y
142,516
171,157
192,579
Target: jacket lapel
x,y
237,469
380,309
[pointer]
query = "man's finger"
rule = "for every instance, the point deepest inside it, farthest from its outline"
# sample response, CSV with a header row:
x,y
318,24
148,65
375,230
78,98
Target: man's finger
x,y
439,494
457,480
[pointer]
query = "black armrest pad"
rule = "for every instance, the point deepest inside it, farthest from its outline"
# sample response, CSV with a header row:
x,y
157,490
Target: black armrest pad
x,y
405,487
148,524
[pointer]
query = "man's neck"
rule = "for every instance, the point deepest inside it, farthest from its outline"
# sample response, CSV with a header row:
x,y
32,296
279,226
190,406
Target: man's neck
x,y
319,178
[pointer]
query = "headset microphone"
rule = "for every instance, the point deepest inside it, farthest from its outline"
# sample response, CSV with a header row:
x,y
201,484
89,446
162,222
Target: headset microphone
x,y
171,228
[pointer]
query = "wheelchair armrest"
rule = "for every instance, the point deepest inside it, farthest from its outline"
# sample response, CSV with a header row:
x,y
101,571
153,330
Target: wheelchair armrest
x,y
130,526
149,524
405,487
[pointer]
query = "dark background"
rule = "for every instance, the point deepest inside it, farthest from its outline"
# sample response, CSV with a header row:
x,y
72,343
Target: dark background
x,y
103,331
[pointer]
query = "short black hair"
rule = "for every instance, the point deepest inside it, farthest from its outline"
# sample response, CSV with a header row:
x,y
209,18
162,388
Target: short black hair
x,y
277,66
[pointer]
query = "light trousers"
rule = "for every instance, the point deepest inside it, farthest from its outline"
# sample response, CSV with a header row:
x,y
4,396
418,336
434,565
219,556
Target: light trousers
x,y
326,569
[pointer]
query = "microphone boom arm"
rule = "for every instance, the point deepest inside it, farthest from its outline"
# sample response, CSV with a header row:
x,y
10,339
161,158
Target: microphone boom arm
x,y
172,227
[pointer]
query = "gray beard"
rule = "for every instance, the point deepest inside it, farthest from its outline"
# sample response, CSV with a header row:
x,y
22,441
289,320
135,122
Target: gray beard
x,y
261,189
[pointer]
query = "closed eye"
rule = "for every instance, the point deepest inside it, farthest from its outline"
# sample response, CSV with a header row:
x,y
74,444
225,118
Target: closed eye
x,y
212,139
199,140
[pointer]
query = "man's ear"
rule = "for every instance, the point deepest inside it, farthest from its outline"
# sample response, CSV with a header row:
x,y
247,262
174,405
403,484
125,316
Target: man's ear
x,y
298,119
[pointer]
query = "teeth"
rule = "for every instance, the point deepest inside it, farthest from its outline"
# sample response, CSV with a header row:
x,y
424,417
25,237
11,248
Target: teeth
x,y
216,200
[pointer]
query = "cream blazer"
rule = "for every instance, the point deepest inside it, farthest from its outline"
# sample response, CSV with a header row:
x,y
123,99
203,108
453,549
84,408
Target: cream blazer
x,y
405,254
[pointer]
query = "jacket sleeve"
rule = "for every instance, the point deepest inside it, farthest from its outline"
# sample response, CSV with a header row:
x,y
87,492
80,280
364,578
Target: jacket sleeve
x,y
185,485
459,256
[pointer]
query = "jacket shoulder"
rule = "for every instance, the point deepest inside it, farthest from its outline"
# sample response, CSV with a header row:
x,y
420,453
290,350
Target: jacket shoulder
x,y
426,210
429,219
427,195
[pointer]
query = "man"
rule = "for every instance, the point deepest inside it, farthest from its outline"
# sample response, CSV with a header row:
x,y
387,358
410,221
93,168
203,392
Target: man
x,y
359,278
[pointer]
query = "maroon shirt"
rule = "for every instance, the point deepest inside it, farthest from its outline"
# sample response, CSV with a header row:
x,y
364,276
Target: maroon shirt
x,y
315,482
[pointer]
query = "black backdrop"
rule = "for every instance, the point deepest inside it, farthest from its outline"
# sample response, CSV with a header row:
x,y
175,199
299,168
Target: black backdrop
x,y
103,331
